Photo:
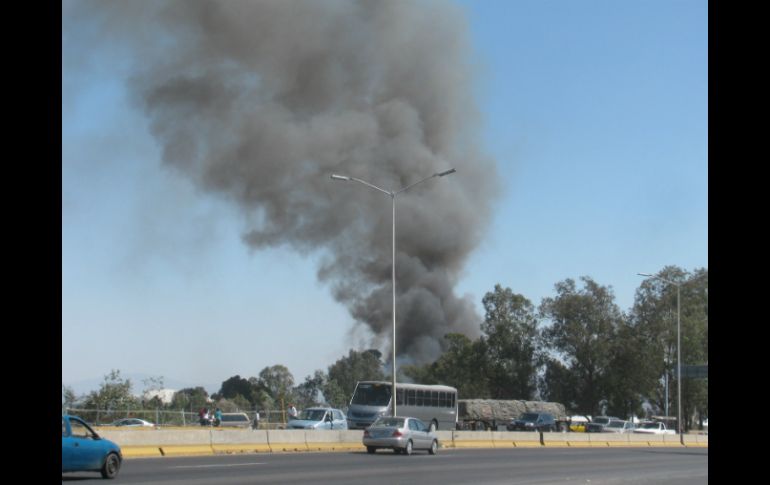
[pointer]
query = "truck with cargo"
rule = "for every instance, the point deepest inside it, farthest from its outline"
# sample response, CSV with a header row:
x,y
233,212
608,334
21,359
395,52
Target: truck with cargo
x,y
494,414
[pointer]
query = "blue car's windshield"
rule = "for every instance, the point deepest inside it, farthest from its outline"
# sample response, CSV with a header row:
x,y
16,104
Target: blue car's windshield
x,y
312,414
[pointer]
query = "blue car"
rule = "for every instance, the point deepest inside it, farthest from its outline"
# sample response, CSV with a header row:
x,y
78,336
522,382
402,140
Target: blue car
x,y
82,449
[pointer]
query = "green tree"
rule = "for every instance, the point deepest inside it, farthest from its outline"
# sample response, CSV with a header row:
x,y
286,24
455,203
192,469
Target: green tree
x,y
559,384
310,392
463,366
335,395
511,337
278,382
113,394
190,399
260,396
357,366
68,397
583,325
632,375
150,395
655,314
235,386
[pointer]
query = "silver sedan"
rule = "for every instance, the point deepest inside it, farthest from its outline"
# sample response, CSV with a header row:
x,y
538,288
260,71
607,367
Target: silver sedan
x,y
401,434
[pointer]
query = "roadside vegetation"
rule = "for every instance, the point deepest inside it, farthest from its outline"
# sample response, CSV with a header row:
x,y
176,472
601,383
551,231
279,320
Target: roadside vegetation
x,y
576,347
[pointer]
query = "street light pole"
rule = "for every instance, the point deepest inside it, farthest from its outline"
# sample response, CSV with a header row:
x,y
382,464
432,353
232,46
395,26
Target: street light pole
x,y
678,354
392,195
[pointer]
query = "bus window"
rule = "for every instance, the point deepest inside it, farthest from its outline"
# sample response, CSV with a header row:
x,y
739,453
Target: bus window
x,y
420,397
411,399
434,398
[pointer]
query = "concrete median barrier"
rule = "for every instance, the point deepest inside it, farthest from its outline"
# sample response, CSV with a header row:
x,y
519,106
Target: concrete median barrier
x,y
445,439
472,439
334,440
191,441
566,440
186,450
577,440
140,451
287,440
239,441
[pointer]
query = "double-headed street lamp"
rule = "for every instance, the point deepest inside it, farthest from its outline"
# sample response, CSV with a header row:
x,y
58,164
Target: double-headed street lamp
x,y
678,355
392,195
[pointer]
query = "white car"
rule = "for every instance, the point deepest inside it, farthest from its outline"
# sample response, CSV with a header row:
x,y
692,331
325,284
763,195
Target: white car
x,y
618,426
132,422
653,427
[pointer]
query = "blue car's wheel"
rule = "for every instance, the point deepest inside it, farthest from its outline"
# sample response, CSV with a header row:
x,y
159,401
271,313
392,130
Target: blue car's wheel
x,y
111,466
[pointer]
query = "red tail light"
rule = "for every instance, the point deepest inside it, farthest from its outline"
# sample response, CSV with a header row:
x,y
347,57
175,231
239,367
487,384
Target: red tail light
x,y
396,434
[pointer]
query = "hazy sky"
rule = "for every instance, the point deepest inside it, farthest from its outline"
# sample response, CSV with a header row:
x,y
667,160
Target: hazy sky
x,y
595,114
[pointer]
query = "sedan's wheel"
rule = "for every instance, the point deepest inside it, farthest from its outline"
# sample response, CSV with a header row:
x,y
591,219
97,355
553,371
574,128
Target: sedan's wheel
x,y
433,448
408,449
370,449
111,466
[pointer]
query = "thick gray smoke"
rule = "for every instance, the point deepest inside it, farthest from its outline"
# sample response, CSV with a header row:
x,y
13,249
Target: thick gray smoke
x,y
260,101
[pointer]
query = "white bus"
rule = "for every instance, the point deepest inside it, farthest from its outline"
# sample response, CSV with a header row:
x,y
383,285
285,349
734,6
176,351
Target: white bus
x,y
435,405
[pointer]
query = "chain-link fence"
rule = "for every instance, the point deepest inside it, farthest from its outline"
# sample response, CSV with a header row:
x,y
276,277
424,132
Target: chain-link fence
x,y
162,417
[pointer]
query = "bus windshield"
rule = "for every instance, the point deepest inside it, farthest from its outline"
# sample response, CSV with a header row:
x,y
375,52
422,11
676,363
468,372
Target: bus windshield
x,y
372,395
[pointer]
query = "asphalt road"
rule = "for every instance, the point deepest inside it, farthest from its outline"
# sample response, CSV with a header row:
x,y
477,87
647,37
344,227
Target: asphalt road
x,y
450,466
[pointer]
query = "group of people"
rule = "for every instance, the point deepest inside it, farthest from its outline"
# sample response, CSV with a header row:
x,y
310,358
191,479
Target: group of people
x,y
207,418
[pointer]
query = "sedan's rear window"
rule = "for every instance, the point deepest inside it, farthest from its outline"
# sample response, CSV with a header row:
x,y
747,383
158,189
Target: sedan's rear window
x,y
389,422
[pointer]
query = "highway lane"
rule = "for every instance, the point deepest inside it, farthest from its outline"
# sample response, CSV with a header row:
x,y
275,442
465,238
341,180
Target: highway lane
x,y
678,466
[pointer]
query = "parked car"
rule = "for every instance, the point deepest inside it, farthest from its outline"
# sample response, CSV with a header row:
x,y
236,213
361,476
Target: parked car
x,y
578,423
132,422
240,420
618,426
82,449
533,422
597,424
401,434
319,418
653,427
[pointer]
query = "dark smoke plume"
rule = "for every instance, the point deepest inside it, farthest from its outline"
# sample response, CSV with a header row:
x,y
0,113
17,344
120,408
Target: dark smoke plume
x,y
260,101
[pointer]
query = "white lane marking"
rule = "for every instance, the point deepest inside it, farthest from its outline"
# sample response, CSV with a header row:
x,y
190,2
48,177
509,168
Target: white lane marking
x,y
212,466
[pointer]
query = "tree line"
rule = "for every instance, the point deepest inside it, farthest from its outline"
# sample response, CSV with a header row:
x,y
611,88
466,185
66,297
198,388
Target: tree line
x,y
576,347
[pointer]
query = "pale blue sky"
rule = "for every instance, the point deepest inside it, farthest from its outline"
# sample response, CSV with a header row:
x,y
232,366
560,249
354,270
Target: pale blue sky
x,y
596,113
